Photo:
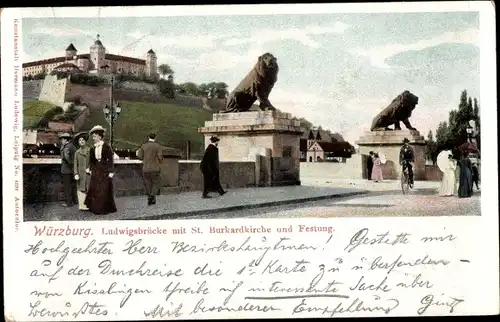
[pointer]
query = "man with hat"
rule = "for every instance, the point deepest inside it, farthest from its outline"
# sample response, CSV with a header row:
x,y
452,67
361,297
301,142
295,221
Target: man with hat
x,y
406,159
81,164
67,159
209,166
151,154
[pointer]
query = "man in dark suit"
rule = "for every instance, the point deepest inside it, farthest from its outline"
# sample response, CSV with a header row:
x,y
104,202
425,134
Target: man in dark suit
x,y
151,154
369,165
67,158
209,166
406,159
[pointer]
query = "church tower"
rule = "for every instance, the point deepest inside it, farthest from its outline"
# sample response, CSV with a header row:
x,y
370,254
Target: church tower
x,y
70,52
97,55
151,69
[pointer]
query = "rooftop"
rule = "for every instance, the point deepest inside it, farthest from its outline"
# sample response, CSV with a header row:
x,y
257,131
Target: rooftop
x,y
71,47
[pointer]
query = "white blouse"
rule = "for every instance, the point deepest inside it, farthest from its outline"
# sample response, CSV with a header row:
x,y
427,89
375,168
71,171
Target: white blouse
x,y
98,150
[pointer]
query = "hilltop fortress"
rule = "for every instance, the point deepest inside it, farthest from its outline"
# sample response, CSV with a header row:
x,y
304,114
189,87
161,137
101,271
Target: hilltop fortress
x,y
94,62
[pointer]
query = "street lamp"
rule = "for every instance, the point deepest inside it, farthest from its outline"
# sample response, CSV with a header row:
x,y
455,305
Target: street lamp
x,y
111,111
111,114
469,132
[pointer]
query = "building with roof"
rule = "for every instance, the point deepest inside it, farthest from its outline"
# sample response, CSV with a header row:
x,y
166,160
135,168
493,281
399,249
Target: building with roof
x,y
318,146
95,62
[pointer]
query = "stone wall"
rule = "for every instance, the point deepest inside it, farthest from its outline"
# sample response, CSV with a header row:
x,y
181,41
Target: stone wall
x,y
232,175
91,95
32,89
42,177
432,173
53,90
138,96
58,91
352,170
137,86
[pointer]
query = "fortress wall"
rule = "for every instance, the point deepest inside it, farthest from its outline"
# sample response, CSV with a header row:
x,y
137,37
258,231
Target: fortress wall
x,y
58,91
53,90
91,95
137,86
32,89
139,96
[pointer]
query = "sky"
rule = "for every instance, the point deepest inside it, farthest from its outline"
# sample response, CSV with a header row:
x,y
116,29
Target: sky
x,y
336,70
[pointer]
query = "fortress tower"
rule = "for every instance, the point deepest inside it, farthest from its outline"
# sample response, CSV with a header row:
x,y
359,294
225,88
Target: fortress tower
x,y
70,52
151,64
97,55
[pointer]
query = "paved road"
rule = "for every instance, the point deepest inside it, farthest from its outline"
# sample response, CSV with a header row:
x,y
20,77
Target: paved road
x,y
333,198
185,204
384,199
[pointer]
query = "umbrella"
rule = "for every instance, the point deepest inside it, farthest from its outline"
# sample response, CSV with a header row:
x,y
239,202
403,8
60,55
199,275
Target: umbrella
x,y
383,158
442,160
468,147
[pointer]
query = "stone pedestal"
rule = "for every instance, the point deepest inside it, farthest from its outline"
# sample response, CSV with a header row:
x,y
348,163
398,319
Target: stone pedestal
x,y
389,143
269,138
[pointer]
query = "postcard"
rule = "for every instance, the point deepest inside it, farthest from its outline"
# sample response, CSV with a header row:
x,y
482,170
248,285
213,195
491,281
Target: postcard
x,y
249,161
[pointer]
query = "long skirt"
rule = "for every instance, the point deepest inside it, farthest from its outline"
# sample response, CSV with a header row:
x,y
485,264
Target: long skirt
x,y
448,183
465,183
100,199
377,173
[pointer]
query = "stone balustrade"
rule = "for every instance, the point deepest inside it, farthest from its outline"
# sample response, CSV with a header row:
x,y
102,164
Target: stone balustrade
x,y
42,177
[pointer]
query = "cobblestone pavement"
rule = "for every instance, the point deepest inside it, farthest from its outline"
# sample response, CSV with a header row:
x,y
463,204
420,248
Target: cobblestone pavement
x,y
384,199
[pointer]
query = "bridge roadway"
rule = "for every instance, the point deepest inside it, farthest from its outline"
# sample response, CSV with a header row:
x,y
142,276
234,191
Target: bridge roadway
x,y
317,198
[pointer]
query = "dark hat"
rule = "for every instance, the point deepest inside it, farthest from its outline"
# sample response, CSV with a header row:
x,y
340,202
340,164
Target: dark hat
x,y
152,135
214,139
65,135
405,140
85,135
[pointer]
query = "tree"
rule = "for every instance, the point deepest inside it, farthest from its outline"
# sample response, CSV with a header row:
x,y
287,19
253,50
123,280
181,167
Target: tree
x,y
165,69
477,118
166,88
442,136
190,88
431,148
218,89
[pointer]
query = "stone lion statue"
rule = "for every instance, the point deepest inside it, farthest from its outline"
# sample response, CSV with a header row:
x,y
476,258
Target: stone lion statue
x,y
256,85
399,110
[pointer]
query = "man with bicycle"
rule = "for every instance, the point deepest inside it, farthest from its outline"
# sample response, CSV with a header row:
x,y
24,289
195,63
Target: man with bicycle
x,y
406,159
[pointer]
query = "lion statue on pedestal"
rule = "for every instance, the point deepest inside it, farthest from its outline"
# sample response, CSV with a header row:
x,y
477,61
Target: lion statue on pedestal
x,y
256,85
399,110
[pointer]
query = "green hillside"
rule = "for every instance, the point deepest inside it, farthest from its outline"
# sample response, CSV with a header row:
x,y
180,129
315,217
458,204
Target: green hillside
x,y
174,124
33,111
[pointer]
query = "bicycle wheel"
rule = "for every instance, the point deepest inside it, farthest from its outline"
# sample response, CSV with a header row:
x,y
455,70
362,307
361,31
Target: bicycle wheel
x,y
404,183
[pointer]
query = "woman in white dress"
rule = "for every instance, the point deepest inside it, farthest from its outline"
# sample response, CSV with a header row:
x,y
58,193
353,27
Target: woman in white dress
x,y
448,183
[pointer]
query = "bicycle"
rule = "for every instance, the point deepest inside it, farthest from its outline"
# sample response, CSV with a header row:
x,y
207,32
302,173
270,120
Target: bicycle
x,y
405,180
405,185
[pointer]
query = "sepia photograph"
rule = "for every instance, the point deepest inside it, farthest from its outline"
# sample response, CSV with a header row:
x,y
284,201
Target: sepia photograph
x,y
249,161
210,117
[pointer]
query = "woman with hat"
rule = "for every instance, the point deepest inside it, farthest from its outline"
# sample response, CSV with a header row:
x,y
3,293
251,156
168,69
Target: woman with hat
x,y
448,182
465,181
100,199
81,164
377,168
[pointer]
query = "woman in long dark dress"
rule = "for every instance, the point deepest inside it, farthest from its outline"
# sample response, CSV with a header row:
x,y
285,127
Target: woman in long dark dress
x,y
100,199
465,183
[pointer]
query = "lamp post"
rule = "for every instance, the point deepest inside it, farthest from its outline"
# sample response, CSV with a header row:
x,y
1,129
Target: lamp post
x,y
469,132
111,111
